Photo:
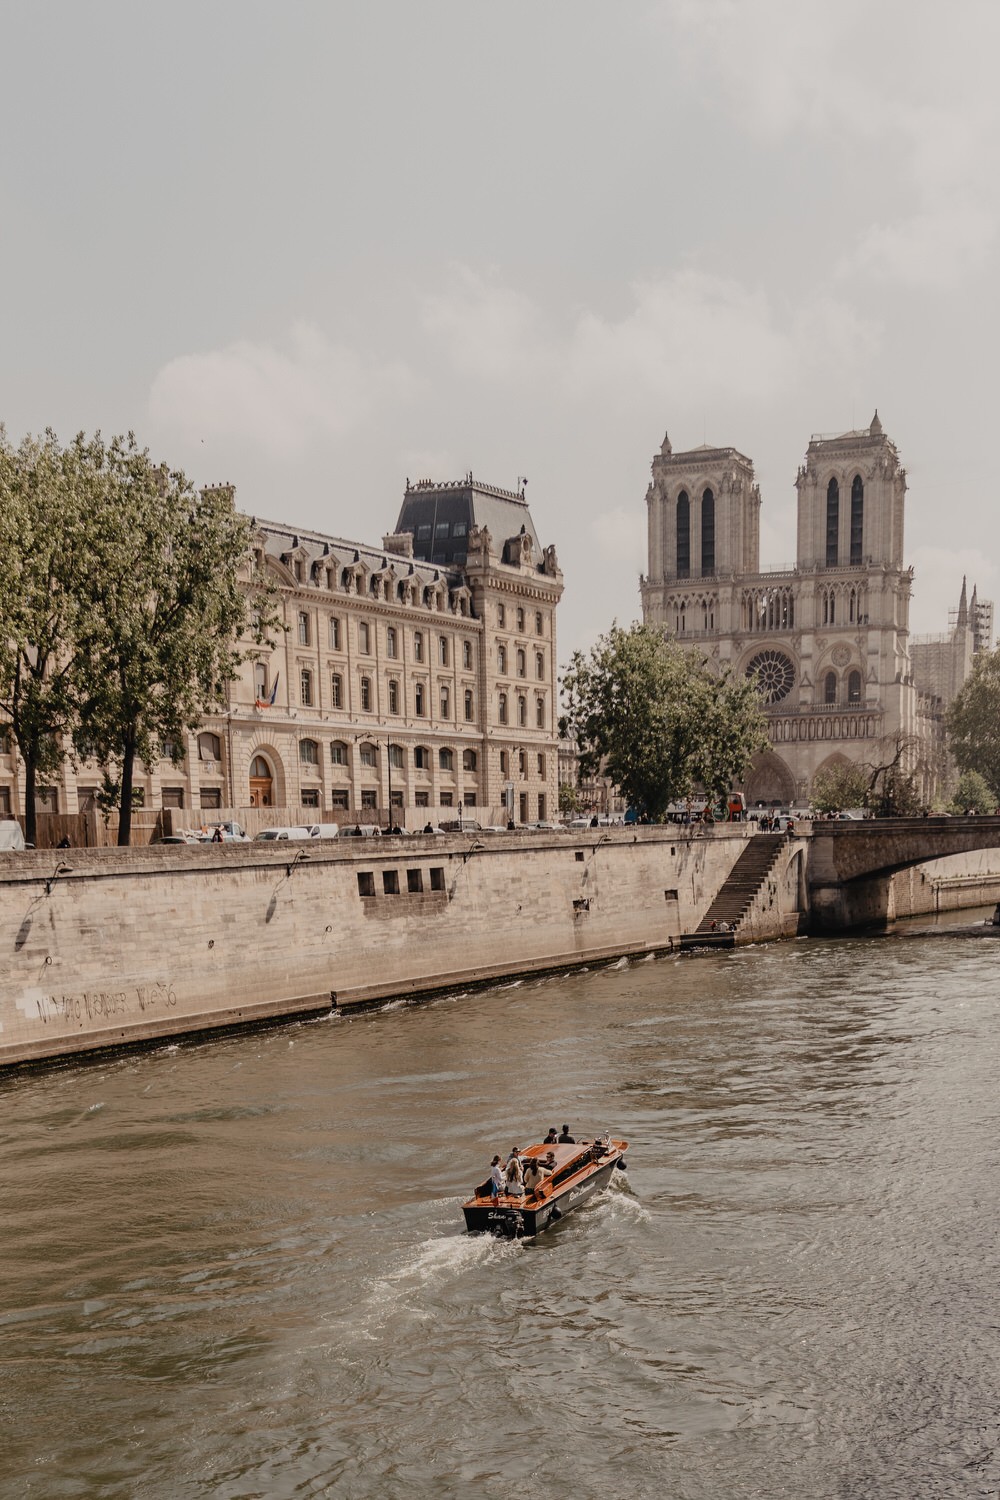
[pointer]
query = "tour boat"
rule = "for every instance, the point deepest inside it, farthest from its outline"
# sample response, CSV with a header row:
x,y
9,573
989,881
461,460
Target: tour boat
x,y
582,1168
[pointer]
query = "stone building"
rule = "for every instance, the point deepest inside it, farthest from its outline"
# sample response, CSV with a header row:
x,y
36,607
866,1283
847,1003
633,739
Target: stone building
x,y
419,674
828,638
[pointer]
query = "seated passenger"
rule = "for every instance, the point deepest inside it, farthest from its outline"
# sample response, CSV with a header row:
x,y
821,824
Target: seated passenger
x,y
515,1178
549,1162
533,1177
566,1139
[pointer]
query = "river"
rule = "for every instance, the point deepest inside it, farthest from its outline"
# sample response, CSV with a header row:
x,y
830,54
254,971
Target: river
x,y
237,1268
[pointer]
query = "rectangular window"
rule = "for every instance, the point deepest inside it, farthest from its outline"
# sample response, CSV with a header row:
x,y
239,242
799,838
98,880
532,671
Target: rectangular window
x,y
366,882
437,878
340,798
309,796
423,533
443,650
306,688
501,616
369,801
522,763
467,655
445,703
539,626
211,797
390,641
541,766
393,696
366,695
541,807
441,529
172,796
390,882
364,637
336,691
415,882
396,802
504,763
396,757
334,633
446,799
418,700
470,799
303,628
469,705
422,799
418,645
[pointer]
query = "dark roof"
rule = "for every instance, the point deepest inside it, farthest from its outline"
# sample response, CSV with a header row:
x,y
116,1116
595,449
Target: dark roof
x,y
451,509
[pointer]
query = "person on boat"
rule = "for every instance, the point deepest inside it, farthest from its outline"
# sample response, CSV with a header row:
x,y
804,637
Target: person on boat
x,y
515,1177
549,1161
533,1176
497,1177
551,1138
566,1139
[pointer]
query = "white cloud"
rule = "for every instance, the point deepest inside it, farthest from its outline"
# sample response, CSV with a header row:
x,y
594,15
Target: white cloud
x,y
913,96
489,330
273,400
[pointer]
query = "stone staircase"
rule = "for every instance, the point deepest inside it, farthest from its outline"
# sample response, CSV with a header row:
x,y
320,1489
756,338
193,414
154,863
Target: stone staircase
x,y
731,904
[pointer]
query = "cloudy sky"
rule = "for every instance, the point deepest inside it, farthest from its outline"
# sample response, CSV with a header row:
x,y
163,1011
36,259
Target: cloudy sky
x,y
314,248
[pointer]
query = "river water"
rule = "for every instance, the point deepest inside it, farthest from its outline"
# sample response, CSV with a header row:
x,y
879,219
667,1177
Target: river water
x,y
237,1269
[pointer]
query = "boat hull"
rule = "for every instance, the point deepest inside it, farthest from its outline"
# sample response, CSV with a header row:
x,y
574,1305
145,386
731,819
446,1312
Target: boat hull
x,y
513,1218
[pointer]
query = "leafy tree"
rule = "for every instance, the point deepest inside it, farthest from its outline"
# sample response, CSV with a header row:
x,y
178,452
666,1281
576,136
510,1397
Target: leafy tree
x,y
844,784
45,591
166,609
974,722
657,721
972,792
569,799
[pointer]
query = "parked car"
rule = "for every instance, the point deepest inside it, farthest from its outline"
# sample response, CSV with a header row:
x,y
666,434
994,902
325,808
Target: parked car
x,y
11,836
461,825
232,833
271,835
322,830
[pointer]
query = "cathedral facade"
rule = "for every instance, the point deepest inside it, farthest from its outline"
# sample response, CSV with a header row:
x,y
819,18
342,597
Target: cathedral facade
x,y
827,639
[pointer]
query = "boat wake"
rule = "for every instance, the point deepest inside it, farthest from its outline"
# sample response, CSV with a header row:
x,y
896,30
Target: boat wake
x,y
411,1287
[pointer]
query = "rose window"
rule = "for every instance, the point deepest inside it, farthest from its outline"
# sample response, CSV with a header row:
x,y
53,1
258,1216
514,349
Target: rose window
x,y
774,673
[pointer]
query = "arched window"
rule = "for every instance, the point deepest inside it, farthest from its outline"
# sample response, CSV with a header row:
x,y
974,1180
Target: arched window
x,y
502,708
502,659
397,757
683,535
445,702
857,519
832,523
369,755
209,746
259,769
854,689
522,663
309,752
707,534
830,688
468,760
338,753
540,712
446,760
540,666
422,758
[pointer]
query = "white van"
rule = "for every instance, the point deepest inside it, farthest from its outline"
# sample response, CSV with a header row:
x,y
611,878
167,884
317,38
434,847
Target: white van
x,y
322,830
269,835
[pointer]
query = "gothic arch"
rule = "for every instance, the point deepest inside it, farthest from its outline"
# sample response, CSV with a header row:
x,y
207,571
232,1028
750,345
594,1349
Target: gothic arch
x,y
769,780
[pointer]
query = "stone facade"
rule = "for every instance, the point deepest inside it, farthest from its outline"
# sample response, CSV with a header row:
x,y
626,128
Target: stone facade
x,y
398,682
828,637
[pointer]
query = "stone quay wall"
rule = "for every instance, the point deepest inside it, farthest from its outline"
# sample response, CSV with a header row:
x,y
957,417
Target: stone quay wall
x,y
103,947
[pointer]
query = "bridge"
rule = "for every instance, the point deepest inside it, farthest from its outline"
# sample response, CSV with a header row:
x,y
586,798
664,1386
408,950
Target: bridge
x,y
849,864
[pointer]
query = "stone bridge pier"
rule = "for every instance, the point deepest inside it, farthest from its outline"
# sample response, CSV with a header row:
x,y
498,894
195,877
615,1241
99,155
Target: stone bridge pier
x,y
850,864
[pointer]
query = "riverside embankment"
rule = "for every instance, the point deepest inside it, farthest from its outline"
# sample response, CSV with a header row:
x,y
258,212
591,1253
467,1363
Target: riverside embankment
x,y
105,947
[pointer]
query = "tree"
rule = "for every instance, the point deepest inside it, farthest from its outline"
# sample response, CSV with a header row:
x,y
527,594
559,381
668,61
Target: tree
x,y
844,784
569,798
657,721
972,792
974,722
166,610
45,592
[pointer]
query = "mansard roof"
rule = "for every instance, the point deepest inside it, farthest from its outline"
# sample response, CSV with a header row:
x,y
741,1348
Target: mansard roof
x,y
281,541
468,502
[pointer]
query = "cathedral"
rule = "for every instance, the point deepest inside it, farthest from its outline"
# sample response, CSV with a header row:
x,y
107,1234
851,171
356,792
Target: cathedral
x,y
828,639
